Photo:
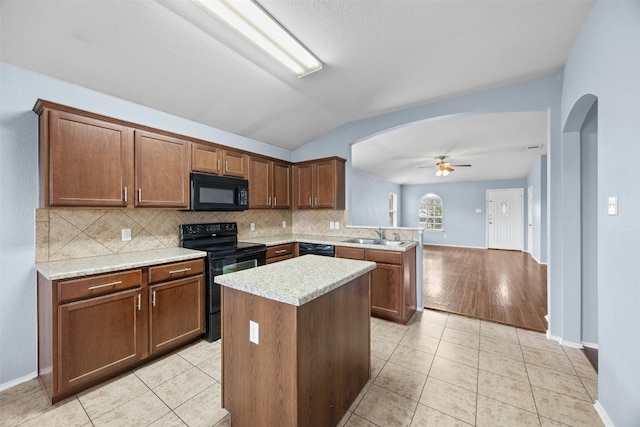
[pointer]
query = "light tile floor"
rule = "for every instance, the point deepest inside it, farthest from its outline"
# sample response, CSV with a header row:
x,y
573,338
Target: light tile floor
x,y
440,370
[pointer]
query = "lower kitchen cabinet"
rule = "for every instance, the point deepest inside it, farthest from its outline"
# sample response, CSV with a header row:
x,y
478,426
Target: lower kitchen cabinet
x,y
99,336
280,252
94,327
393,282
172,319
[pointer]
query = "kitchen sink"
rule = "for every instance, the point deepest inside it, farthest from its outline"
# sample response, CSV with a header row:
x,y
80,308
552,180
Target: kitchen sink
x,y
362,241
376,242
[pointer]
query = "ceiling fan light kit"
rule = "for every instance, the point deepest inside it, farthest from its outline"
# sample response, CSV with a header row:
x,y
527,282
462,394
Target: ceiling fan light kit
x,y
443,168
254,23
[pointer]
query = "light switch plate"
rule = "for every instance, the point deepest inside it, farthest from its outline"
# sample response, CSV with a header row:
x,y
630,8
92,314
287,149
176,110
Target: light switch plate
x,y
612,205
254,332
253,226
331,225
337,227
126,234
284,224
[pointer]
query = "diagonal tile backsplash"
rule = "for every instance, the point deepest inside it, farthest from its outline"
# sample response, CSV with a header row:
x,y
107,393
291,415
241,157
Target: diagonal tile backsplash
x,y
75,233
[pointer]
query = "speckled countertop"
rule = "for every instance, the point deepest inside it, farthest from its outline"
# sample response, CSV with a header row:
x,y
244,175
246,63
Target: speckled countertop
x,y
78,267
327,240
296,281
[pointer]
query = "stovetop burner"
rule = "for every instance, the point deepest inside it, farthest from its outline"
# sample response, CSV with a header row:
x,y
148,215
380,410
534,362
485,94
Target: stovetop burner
x,y
217,238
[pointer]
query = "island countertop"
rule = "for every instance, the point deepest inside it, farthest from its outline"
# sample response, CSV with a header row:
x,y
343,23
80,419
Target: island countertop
x,y
298,280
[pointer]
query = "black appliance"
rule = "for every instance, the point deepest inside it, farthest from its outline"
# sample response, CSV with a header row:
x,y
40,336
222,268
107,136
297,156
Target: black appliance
x,y
224,255
316,249
218,193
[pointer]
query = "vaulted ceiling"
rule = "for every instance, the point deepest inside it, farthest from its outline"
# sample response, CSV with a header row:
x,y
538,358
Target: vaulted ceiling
x,y
379,56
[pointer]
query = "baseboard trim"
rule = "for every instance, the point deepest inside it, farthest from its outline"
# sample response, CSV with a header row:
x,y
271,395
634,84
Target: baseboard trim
x,y
571,344
453,246
590,345
603,414
17,381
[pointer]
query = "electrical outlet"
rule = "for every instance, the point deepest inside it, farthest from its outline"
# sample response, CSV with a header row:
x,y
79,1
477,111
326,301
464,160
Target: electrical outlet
x,y
253,226
254,332
126,234
331,225
284,224
612,205
337,227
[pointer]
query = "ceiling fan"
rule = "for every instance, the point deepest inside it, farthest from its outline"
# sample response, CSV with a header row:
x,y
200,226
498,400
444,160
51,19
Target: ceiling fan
x,y
443,168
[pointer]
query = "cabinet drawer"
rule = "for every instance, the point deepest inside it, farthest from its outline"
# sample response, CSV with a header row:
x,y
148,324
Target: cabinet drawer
x,y
386,257
69,290
175,270
351,253
280,250
279,258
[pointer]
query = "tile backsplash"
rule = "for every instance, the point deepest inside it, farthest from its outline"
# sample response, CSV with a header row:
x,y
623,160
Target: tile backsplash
x,y
76,233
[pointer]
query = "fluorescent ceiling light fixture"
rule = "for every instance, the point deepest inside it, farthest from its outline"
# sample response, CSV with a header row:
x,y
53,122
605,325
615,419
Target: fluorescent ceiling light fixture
x,y
255,24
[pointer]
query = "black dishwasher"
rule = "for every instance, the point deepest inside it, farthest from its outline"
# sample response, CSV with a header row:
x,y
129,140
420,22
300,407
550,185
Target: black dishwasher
x,y
316,249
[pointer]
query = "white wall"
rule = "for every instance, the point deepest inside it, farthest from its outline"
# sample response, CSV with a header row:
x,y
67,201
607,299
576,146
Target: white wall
x,y
605,62
19,90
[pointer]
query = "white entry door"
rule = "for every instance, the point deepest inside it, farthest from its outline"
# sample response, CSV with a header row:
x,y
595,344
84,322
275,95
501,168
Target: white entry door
x,y
504,219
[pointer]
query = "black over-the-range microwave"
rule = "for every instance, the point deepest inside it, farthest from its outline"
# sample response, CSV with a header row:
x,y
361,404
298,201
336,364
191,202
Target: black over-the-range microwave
x,y
218,193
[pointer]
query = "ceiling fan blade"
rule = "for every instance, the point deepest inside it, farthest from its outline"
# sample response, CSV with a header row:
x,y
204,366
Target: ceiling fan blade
x,y
461,166
450,169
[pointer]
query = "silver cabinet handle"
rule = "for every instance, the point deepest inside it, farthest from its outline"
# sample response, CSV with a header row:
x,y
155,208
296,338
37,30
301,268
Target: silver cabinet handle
x,y
218,166
310,204
105,285
226,166
316,204
153,298
275,202
269,201
139,195
126,196
182,270
139,302
281,251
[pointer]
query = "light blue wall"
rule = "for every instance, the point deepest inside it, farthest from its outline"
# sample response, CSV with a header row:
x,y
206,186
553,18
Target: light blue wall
x,y
463,226
605,62
589,225
370,200
19,91
537,179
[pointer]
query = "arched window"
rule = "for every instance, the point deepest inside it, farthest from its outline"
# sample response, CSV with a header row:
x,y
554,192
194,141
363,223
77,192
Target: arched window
x,y
430,212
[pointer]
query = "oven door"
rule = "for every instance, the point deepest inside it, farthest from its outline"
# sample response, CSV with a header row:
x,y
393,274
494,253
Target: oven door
x,y
223,265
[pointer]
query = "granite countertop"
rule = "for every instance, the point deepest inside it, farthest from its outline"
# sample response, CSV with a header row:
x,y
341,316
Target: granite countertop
x,y
78,267
296,281
326,240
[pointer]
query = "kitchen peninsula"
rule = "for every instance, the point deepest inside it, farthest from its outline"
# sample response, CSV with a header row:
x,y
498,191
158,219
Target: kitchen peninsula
x,y
295,341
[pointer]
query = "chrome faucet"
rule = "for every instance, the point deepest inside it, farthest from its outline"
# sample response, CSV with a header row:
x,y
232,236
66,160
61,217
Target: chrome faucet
x,y
380,233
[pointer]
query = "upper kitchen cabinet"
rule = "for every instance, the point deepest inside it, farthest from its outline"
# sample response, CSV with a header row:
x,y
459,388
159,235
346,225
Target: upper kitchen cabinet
x,y
95,161
83,161
319,184
161,170
269,183
209,158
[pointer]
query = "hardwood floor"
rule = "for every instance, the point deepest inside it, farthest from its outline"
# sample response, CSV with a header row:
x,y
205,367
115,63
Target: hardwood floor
x,y
502,286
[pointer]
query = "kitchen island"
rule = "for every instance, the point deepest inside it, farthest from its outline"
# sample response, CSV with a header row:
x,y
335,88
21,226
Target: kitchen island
x,y
295,341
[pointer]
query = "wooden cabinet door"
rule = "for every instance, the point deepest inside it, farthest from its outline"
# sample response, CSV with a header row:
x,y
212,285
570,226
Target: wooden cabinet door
x,y
325,184
176,312
281,185
303,186
259,183
205,158
161,171
234,163
89,161
386,291
99,336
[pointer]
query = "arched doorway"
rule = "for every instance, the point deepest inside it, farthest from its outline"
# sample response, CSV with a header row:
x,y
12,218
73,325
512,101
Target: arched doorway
x,y
580,197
